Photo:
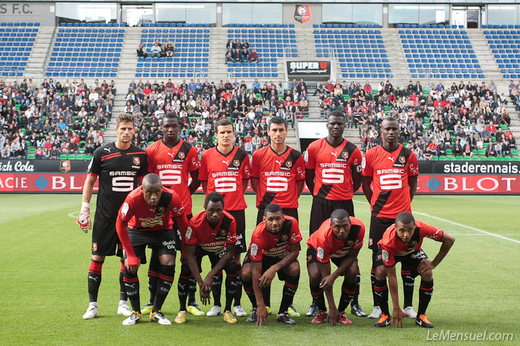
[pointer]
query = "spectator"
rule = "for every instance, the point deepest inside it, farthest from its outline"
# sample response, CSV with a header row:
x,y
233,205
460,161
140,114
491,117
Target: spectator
x,y
253,56
155,51
141,52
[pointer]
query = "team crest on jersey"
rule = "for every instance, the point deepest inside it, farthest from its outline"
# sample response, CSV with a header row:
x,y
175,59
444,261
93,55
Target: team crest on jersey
x,y
288,164
180,155
385,255
283,237
413,243
344,155
236,163
222,232
402,159
94,247
136,160
160,210
65,166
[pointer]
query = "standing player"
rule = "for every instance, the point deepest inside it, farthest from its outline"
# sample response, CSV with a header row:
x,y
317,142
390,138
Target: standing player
x,y
333,174
226,169
212,233
389,181
274,248
402,243
175,162
339,238
277,176
145,219
119,166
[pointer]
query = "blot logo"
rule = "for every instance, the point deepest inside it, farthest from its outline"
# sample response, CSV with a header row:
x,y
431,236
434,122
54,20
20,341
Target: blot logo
x,y
41,183
434,184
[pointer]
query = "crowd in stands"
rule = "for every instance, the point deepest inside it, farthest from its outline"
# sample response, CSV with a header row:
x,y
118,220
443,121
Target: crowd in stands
x,y
435,120
237,51
52,119
158,50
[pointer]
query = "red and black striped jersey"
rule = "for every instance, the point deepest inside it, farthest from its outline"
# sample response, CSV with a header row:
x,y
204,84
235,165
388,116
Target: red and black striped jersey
x,y
390,172
140,216
277,176
274,245
333,167
225,174
328,246
200,233
173,166
118,171
391,245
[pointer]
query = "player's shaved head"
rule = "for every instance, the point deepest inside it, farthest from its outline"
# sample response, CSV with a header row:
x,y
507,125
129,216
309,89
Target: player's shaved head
x,y
336,114
172,116
151,179
273,208
390,119
405,218
339,214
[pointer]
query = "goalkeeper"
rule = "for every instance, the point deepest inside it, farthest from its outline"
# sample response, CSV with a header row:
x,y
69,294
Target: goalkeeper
x,y
120,167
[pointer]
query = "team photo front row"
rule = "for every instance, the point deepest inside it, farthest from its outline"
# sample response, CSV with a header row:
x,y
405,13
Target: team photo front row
x,y
144,200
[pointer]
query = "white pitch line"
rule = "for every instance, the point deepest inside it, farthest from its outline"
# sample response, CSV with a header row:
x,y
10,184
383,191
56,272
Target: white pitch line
x,y
73,215
462,225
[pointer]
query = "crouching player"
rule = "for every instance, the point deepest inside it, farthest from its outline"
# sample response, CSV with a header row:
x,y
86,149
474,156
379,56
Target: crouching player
x,y
338,239
212,232
274,249
402,243
145,219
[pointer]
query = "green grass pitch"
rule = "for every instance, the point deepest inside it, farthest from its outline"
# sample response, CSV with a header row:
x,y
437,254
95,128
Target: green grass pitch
x,y
45,257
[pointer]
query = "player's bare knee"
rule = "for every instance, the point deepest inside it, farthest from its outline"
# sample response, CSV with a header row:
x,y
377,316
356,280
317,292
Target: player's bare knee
x,y
167,260
294,269
380,273
246,272
351,273
427,275
98,258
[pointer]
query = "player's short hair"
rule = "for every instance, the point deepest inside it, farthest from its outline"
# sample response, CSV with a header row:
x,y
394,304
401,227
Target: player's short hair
x,y
405,218
273,208
339,214
125,118
223,122
214,197
172,116
277,120
151,179
390,119
336,113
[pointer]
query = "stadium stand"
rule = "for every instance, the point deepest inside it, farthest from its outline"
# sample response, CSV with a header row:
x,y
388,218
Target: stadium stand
x,y
86,51
440,53
505,46
16,42
361,53
191,58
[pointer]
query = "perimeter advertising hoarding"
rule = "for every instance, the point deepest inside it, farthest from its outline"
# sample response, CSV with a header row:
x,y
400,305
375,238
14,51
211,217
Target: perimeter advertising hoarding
x,y
449,177
308,69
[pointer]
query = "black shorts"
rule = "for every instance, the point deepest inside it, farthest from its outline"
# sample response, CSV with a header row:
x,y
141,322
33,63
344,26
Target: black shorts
x,y
105,241
268,262
161,242
289,211
409,262
378,226
214,257
240,219
312,257
322,208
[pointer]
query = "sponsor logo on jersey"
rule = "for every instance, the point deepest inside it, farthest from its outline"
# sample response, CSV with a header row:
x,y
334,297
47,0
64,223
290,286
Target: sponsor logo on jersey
x,y
107,149
226,162
254,249
65,166
124,210
188,233
320,253
333,153
385,255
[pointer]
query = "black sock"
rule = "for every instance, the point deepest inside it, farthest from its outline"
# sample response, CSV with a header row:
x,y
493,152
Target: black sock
x,y
372,282
217,288
381,290
248,288
122,290
348,290
408,286
238,294
266,292
192,289
132,290
182,286
318,298
94,279
289,290
153,276
425,295
355,299
231,289
164,285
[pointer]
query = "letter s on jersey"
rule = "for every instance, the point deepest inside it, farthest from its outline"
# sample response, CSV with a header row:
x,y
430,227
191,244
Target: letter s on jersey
x,y
390,182
226,184
333,175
